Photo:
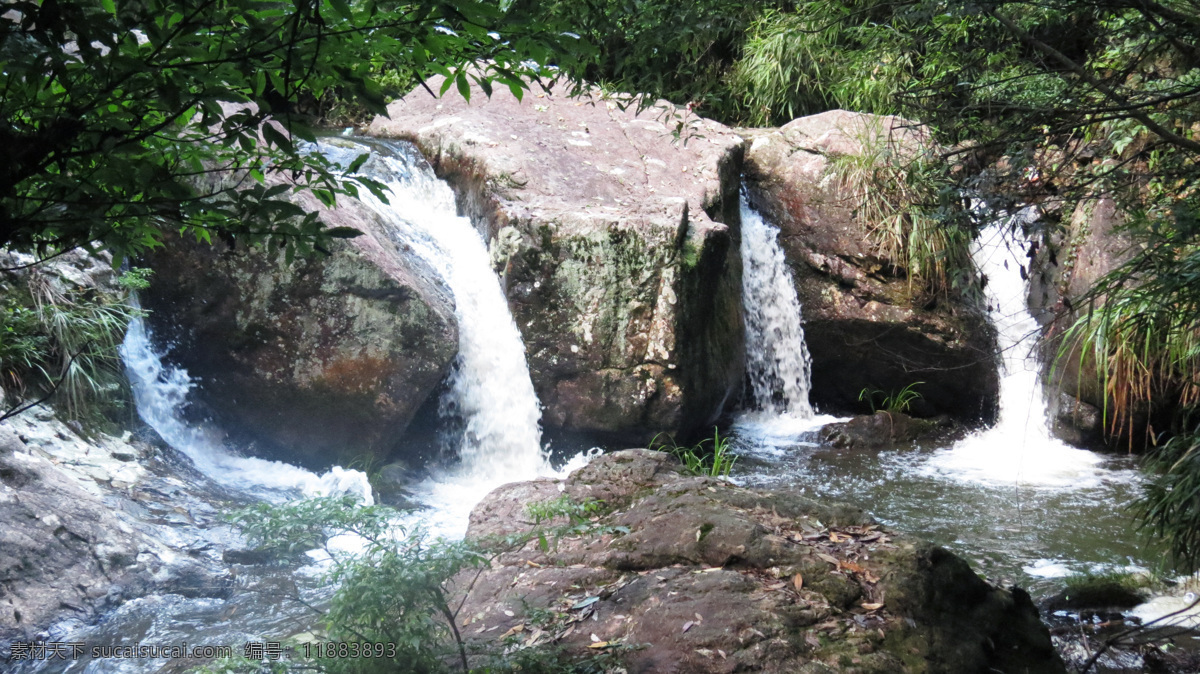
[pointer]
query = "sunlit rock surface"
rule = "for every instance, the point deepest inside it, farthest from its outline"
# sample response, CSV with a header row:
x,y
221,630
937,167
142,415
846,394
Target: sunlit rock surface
x,y
862,325
695,575
616,241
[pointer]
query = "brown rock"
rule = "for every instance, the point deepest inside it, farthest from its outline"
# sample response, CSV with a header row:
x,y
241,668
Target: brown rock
x,y
881,429
863,326
1068,262
698,576
617,246
328,358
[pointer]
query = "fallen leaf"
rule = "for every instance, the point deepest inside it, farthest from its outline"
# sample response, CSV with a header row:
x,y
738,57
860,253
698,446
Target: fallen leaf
x,y
835,537
585,603
872,607
594,637
599,644
721,653
533,564
533,638
705,652
699,618
509,613
812,640
688,625
852,567
515,629
798,581
827,558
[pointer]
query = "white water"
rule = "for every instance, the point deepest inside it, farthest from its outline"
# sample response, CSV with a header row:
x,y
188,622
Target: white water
x,y
778,364
490,388
1018,450
161,394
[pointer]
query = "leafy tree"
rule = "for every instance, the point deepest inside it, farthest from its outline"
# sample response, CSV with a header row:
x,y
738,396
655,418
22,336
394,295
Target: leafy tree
x,y
123,119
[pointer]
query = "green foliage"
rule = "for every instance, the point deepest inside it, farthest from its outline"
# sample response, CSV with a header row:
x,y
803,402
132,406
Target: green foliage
x,y
910,207
125,120
897,401
135,278
1109,588
1169,508
396,589
574,512
393,591
64,342
710,457
575,518
820,55
679,51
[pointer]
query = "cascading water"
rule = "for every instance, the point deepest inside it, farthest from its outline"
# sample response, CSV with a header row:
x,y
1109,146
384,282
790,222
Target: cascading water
x,y
1018,449
777,360
490,387
778,364
161,395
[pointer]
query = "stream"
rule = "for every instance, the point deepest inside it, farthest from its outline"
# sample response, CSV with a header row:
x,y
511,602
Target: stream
x,y
1022,507
1025,508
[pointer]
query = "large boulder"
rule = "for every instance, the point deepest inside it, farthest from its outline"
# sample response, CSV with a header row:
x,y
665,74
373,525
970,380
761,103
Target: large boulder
x,y
1068,261
322,360
693,574
617,245
864,325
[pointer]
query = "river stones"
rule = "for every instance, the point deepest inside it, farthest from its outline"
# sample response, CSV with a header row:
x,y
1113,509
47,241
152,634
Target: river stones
x,y
693,574
616,242
320,361
863,326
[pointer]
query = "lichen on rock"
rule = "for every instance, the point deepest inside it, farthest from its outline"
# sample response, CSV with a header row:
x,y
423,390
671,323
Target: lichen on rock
x,y
616,243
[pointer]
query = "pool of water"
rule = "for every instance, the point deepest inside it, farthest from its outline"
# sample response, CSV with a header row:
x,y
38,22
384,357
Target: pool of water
x,y
1016,529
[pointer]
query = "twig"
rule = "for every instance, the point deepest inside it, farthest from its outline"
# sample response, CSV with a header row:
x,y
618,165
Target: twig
x,y
1109,643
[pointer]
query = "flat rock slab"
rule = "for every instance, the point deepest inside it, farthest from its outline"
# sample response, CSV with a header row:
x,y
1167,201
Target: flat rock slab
x,y
616,241
694,574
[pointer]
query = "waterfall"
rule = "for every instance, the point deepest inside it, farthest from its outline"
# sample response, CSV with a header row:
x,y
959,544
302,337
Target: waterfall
x,y
777,361
778,365
490,390
1018,449
161,393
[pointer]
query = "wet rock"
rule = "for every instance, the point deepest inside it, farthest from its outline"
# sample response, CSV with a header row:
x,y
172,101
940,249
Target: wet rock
x,y
323,360
865,327
617,245
697,575
1076,422
882,429
60,547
